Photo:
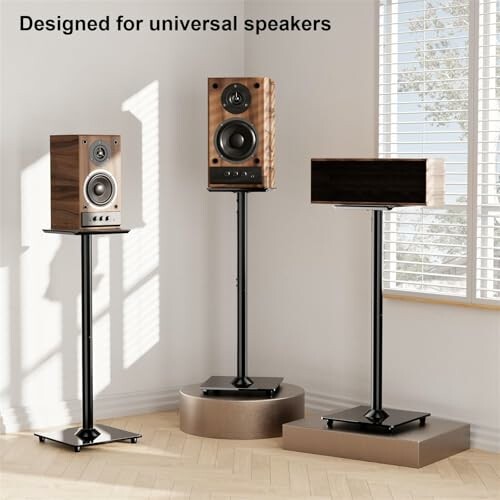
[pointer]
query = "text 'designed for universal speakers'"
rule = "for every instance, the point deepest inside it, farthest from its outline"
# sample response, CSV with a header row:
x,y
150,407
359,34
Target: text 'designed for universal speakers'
x,y
241,132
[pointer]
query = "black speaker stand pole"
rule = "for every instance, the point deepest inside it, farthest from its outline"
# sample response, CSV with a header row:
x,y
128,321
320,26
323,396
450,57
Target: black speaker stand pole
x,y
242,383
88,434
376,417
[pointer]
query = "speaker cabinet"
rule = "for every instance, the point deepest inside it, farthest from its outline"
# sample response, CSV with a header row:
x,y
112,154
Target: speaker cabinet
x,y
85,175
378,182
241,131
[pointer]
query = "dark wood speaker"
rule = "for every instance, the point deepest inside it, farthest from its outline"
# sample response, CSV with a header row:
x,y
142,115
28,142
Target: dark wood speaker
x,y
241,131
85,175
377,182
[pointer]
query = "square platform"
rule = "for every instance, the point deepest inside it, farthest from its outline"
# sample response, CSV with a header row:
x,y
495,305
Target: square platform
x,y
409,446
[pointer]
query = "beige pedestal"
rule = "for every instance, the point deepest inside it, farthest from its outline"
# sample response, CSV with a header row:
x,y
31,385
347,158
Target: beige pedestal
x,y
412,446
239,417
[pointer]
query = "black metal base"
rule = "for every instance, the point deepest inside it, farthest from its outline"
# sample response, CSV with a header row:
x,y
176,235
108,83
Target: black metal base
x,y
76,437
223,386
385,421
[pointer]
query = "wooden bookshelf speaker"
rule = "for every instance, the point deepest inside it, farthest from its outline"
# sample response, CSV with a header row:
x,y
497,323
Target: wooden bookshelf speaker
x,y
378,182
241,131
85,175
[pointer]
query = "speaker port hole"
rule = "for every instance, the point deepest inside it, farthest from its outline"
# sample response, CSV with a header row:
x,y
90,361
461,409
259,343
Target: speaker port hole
x,y
116,206
84,141
215,160
256,85
256,161
215,86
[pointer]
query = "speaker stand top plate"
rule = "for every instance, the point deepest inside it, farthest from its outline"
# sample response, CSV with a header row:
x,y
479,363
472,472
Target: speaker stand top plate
x,y
104,230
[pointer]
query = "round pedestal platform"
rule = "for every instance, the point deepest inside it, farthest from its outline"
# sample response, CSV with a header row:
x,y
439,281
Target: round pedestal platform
x,y
237,416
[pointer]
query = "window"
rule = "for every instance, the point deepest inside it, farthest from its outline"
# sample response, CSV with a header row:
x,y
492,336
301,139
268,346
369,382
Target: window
x,y
439,90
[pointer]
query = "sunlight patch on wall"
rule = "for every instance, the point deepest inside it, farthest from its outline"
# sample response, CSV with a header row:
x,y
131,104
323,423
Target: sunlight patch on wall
x,y
141,247
40,315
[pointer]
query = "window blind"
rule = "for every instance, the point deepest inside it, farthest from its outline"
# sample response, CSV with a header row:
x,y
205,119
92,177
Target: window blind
x,y
423,112
488,149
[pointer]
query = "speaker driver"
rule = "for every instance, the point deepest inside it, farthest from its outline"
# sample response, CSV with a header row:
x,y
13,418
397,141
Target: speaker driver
x,y
99,152
236,98
100,188
236,140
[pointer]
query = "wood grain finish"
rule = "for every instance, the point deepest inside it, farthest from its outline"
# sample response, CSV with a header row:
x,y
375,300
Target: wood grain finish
x,y
64,181
377,182
261,114
70,165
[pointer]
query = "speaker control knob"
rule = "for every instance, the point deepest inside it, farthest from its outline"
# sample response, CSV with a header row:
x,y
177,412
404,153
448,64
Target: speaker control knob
x,y
227,173
94,218
107,217
236,173
101,217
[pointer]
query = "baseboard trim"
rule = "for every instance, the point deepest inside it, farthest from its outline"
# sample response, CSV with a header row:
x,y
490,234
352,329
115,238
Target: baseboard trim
x,y
482,437
69,412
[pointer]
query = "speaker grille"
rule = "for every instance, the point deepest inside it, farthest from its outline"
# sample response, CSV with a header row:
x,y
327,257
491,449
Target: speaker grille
x,y
100,188
236,140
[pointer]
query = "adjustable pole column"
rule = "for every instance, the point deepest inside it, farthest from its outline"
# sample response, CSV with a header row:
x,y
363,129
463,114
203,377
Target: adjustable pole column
x,y
87,432
242,380
376,412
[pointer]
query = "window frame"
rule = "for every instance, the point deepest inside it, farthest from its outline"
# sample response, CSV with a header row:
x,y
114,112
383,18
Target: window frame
x,y
470,298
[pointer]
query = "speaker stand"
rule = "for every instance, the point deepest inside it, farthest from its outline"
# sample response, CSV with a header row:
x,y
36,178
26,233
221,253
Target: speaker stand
x,y
376,417
88,434
242,383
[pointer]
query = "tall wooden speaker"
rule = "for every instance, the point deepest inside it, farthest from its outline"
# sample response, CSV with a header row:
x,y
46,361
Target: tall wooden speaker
x,y
241,134
85,174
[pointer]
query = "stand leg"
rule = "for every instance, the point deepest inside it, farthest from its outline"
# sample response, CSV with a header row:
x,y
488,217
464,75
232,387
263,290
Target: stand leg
x,y
375,417
89,434
241,384
242,380
376,412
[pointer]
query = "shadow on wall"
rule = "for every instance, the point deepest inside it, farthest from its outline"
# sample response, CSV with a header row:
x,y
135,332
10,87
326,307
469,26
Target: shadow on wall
x,y
46,267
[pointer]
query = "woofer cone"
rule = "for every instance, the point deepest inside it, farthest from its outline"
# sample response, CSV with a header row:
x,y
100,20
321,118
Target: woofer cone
x,y
236,98
236,140
100,188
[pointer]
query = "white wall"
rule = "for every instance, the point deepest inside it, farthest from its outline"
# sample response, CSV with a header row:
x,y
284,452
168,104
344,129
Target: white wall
x,y
310,265
154,286
168,301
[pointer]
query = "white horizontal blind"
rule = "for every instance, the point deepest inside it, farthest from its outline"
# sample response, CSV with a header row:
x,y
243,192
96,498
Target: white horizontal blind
x,y
423,102
488,161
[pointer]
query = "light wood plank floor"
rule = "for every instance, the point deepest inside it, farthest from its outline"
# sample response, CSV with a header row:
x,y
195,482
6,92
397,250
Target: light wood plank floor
x,y
167,463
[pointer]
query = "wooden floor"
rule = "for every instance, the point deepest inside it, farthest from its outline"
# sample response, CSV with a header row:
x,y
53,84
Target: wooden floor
x,y
167,463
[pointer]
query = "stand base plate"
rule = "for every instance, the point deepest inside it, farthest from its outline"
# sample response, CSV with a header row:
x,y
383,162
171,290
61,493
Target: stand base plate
x,y
415,446
219,385
395,418
69,436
